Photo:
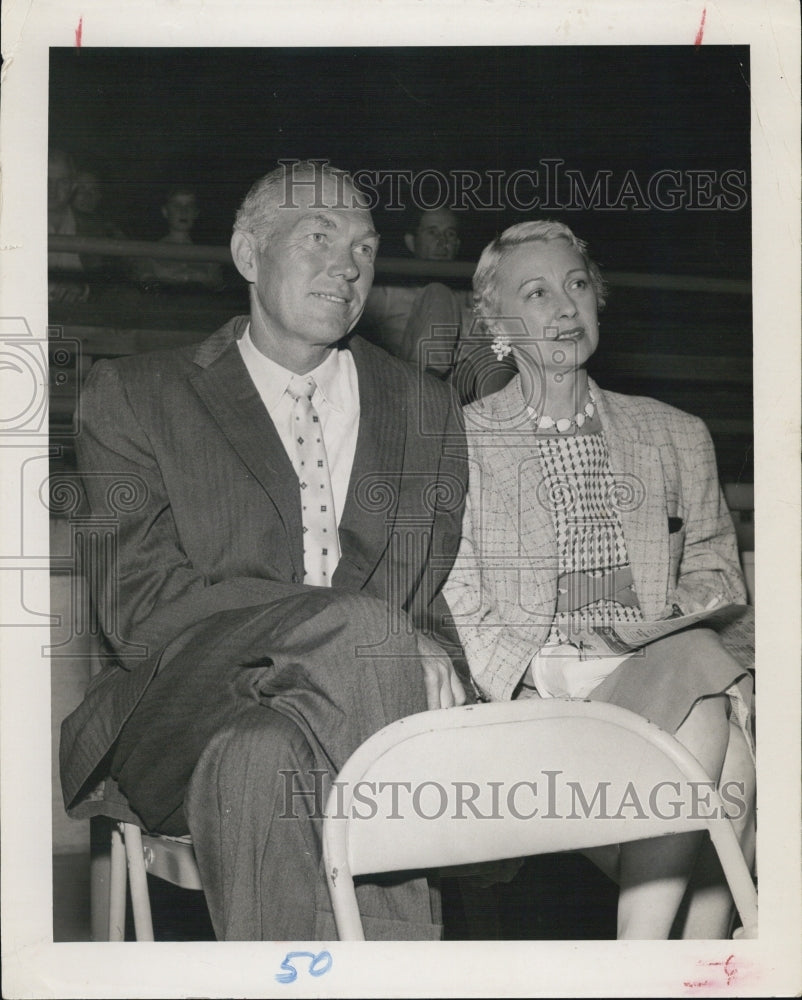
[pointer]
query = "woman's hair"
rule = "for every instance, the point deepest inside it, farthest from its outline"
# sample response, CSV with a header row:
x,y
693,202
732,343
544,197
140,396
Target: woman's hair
x,y
485,278
258,213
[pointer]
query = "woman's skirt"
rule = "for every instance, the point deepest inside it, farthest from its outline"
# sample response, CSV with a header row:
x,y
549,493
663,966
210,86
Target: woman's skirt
x,y
664,680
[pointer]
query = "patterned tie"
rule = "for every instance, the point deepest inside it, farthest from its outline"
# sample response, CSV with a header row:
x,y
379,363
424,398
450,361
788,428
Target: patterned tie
x,y
321,541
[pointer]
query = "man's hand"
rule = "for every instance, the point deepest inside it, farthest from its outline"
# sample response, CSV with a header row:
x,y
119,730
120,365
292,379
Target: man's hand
x,y
443,687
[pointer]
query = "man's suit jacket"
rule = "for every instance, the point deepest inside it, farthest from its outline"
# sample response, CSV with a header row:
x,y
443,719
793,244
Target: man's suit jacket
x,y
178,453
679,534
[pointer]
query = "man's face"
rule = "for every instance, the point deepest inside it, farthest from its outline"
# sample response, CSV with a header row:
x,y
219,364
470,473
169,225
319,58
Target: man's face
x,y
314,275
436,237
86,196
59,184
181,211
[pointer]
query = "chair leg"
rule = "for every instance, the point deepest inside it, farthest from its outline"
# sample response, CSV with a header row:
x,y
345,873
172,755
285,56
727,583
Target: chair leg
x,y
100,828
117,886
140,898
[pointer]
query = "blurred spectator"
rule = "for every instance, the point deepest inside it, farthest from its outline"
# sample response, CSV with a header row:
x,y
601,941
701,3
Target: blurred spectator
x,y
430,235
91,220
61,221
86,194
439,335
87,198
180,210
435,235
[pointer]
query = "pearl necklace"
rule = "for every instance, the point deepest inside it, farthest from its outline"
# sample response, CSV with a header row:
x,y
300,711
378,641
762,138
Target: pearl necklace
x,y
565,424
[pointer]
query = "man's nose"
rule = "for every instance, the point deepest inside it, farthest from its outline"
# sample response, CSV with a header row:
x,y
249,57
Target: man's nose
x,y
344,265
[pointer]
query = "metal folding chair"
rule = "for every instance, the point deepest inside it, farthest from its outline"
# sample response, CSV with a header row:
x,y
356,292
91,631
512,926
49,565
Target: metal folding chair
x,y
504,780
133,855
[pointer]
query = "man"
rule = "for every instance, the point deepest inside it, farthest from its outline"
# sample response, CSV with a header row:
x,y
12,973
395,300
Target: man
x,y
434,235
275,639
92,220
61,221
437,333
180,211
429,235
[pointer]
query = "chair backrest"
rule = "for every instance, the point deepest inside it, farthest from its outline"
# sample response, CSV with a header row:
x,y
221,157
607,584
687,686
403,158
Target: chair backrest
x,y
484,782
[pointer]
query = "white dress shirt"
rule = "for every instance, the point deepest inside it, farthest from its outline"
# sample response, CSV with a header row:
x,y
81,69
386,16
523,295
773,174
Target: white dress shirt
x,y
336,400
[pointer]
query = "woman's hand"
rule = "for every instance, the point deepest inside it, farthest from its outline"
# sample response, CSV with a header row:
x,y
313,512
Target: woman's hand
x,y
692,606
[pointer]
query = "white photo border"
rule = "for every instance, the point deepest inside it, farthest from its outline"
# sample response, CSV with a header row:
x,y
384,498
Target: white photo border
x,y
36,967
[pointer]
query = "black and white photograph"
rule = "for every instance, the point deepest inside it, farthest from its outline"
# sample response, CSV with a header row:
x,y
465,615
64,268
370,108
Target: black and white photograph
x,y
401,524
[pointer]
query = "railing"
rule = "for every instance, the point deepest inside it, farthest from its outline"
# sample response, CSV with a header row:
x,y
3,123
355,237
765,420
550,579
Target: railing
x,y
431,270
684,339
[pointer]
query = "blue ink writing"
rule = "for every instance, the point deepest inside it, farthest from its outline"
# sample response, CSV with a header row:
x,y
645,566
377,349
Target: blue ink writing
x,y
318,964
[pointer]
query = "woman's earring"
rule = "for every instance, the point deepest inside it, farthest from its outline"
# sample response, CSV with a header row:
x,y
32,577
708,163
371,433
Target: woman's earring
x,y
501,346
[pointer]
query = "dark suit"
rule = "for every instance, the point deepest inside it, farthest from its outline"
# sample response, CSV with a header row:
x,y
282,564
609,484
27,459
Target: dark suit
x,y
214,633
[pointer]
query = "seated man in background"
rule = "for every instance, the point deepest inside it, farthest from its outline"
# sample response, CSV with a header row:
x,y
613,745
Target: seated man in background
x,y
92,220
432,326
87,204
180,211
429,235
265,570
65,279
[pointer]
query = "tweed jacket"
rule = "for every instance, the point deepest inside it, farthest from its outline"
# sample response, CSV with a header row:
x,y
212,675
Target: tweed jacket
x,y
179,456
679,533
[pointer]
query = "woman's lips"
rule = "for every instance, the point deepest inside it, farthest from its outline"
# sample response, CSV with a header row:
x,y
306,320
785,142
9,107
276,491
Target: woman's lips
x,y
573,334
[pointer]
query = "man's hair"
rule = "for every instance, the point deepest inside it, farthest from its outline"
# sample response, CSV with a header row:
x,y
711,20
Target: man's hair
x,y
259,212
414,216
178,189
485,278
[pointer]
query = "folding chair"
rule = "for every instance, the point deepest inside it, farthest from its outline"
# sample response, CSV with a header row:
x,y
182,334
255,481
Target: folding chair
x,y
504,780
134,854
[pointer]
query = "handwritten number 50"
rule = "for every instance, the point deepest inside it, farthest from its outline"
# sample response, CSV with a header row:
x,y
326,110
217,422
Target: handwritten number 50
x,y
318,964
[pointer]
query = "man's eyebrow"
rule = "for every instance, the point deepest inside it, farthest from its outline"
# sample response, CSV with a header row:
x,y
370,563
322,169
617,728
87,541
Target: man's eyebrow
x,y
318,220
369,234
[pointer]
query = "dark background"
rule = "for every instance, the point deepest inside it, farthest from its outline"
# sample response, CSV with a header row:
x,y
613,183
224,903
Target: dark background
x,y
220,118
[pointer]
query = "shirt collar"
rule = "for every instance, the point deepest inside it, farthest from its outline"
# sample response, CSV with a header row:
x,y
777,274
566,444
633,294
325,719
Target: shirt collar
x,y
273,379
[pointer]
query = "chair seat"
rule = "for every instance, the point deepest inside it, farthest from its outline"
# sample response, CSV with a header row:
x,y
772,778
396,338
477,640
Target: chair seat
x,y
171,859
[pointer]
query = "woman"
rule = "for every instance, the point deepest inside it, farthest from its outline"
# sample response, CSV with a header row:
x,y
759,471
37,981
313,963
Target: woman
x,y
588,508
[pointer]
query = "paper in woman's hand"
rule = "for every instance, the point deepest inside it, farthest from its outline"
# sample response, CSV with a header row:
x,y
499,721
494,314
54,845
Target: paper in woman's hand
x,y
735,624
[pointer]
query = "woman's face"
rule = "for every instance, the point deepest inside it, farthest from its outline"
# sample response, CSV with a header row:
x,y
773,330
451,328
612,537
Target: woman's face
x,y
547,304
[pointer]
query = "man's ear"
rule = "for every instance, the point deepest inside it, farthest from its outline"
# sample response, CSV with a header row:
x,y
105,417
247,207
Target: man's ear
x,y
409,242
244,254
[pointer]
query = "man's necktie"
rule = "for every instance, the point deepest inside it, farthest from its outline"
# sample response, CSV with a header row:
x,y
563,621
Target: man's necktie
x,y
321,541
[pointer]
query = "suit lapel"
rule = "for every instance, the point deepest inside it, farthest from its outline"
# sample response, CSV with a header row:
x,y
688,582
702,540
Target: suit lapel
x,y
226,389
376,477
638,472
